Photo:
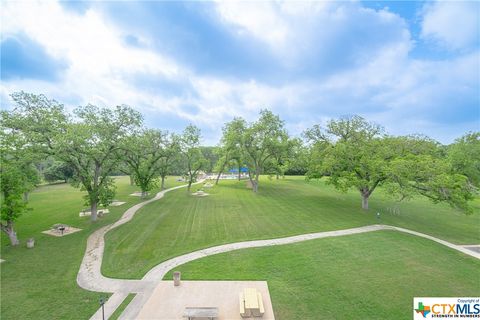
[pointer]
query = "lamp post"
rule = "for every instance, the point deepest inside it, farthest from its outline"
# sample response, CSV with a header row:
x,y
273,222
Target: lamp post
x,y
102,303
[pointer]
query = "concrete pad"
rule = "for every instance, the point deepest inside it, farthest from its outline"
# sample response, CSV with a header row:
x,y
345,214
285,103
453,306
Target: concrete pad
x,y
136,194
200,194
58,233
100,212
169,302
117,203
1,260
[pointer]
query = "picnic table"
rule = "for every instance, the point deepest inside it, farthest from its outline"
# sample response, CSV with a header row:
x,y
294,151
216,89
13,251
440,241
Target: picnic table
x,y
251,303
60,227
200,312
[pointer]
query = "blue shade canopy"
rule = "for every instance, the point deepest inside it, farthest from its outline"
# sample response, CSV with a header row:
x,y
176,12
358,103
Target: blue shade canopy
x,y
243,169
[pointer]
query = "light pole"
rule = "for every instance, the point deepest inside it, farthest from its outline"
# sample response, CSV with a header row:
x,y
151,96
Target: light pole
x,y
102,303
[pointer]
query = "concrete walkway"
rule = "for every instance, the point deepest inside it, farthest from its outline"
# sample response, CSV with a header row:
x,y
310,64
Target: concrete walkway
x,y
89,276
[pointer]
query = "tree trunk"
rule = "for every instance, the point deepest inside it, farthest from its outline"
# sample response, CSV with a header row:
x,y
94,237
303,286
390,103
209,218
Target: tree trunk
x,y
255,186
190,181
12,235
144,194
26,196
13,238
93,210
220,173
255,183
132,181
277,175
239,175
163,182
365,201
250,178
95,190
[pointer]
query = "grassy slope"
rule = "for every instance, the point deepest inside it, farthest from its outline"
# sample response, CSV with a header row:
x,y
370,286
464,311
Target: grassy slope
x,y
420,214
366,276
181,223
121,307
40,283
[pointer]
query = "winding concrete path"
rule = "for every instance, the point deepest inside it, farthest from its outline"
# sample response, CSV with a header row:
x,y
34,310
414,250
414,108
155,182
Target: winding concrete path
x,y
89,276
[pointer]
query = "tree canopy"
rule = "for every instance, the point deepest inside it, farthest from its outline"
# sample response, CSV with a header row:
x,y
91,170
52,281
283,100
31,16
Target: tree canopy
x,y
92,146
87,147
143,153
261,140
354,153
464,155
193,158
230,150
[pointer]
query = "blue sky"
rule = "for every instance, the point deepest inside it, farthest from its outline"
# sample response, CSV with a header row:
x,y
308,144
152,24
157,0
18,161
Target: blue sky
x,y
411,66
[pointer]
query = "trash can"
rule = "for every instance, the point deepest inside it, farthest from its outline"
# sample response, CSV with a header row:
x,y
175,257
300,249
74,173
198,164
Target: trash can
x,y
30,243
176,278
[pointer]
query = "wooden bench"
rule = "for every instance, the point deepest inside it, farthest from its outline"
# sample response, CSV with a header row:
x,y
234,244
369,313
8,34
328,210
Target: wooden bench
x,y
87,212
200,312
241,301
261,308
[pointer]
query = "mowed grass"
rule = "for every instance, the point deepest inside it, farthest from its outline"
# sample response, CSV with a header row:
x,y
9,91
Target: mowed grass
x,y
182,223
122,306
365,276
420,214
40,283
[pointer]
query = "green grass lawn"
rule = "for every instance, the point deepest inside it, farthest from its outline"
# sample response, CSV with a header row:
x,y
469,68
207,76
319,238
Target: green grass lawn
x,y
40,283
121,307
365,276
181,223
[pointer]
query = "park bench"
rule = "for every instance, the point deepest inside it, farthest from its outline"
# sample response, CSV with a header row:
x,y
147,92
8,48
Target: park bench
x,y
192,313
251,303
86,212
241,299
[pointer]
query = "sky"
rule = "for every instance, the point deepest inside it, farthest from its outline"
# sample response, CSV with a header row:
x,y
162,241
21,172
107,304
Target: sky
x,y
410,66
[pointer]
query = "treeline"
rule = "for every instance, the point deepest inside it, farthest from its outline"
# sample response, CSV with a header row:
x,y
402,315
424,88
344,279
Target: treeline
x,y
91,144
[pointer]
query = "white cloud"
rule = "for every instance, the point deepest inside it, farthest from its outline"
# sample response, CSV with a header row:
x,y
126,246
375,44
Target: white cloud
x,y
302,33
261,19
384,83
98,59
454,24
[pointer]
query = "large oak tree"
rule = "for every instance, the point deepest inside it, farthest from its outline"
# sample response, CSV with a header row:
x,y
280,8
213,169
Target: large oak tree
x,y
354,153
193,158
143,153
92,146
27,134
261,140
230,150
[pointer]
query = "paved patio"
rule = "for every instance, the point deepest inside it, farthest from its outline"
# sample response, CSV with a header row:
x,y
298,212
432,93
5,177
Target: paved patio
x,y
169,302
